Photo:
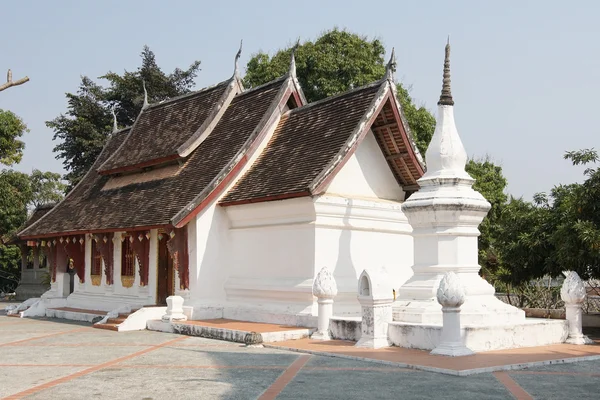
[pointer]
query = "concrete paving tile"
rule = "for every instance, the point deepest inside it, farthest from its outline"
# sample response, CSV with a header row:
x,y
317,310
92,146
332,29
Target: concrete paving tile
x,y
190,356
17,379
558,387
10,337
126,383
94,336
336,362
592,367
391,385
63,355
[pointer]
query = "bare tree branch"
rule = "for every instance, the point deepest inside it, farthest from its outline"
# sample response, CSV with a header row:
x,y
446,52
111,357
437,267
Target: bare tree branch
x,y
10,82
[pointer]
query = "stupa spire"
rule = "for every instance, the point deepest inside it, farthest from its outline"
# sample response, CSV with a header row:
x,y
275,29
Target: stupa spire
x,y
446,96
446,156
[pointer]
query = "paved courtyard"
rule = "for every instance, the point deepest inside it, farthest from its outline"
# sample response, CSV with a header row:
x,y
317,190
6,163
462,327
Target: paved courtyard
x,y
57,359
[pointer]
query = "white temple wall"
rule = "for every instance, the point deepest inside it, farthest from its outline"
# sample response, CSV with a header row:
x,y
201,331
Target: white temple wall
x,y
209,251
272,256
353,235
366,174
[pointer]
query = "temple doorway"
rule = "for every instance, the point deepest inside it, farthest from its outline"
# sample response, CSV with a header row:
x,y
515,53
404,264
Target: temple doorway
x,y
165,284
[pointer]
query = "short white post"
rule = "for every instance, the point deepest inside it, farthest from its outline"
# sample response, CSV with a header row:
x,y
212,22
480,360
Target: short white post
x,y
174,310
375,297
451,296
573,294
324,289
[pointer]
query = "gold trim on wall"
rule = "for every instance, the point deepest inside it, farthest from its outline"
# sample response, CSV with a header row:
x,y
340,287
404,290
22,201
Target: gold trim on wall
x,y
96,280
127,281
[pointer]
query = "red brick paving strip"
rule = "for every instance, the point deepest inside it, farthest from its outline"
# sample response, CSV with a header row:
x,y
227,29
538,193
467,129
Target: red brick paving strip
x,y
280,383
42,337
513,387
87,371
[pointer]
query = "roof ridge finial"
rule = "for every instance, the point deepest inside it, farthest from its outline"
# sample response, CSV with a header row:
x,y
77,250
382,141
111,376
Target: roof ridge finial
x,y
146,104
236,68
115,126
446,96
292,71
390,68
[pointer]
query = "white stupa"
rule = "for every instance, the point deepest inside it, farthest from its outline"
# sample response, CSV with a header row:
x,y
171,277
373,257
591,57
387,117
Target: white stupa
x,y
444,214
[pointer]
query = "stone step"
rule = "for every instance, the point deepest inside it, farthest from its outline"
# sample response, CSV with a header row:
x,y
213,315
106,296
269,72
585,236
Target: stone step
x,y
231,330
107,326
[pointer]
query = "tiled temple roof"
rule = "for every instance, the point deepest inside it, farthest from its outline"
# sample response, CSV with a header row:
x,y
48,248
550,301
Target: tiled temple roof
x,y
95,206
308,146
161,129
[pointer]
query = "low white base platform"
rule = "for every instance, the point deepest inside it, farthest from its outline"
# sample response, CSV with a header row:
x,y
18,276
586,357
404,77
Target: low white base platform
x,y
532,332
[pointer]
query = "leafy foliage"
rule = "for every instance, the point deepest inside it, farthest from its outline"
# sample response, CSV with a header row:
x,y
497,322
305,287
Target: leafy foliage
x,y
46,187
334,63
491,183
559,231
83,130
11,129
18,192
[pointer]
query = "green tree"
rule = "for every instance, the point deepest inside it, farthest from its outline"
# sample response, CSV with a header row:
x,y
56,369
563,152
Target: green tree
x,y
576,215
84,128
491,183
334,63
15,194
46,187
556,232
11,129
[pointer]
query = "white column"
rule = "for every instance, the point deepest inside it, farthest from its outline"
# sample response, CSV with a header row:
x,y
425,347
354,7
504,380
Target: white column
x,y
573,294
451,296
324,289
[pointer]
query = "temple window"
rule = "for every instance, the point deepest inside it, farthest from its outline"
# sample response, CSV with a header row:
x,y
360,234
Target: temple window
x,y
96,264
127,262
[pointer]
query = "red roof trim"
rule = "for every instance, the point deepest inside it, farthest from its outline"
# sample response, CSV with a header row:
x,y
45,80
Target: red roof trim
x,y
409,147
230,175
82,232
215,193
327,180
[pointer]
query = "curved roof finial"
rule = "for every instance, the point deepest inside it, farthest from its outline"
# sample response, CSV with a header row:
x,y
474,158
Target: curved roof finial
x,y
236,68
115,126
390,68
446,96
292,71
146,104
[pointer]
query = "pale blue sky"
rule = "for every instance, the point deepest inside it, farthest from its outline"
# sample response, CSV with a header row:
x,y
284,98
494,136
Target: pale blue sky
x,y
525,74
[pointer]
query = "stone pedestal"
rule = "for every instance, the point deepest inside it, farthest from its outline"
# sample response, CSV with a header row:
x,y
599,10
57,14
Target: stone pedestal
x,y
573,294
376,303
174,310
324,289
451,296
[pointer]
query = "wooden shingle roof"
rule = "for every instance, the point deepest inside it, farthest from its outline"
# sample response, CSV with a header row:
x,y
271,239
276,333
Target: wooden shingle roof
x,y
161,129
91,207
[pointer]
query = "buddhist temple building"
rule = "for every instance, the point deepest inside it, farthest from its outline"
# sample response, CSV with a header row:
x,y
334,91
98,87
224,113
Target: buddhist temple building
x,y
234,199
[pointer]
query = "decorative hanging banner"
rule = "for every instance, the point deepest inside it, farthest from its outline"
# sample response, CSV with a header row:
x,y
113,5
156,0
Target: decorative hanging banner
x,y
105,246
141,250
76,251
178,248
